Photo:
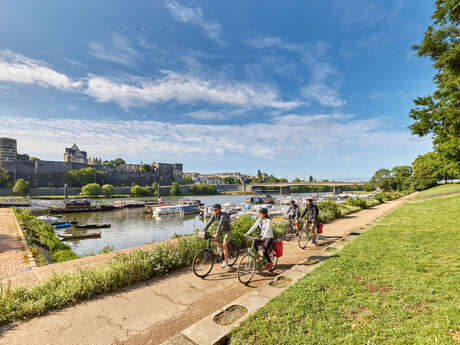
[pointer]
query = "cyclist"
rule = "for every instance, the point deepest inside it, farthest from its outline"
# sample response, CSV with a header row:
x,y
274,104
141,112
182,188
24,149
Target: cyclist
x,y
294,216
266,235
223,228
312,218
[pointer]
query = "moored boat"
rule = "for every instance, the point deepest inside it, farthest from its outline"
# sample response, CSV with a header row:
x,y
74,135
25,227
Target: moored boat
x,y
63,225
92,226
79,236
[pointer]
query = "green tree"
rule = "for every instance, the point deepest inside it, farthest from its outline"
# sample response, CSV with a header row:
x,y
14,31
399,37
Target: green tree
x,y
381,179
146,168
175,189
115,162
426,170
4,178
79,178
402,177
108,190
187,180
91,189
21,187
438,114
137,190
310,178
229,180
155,189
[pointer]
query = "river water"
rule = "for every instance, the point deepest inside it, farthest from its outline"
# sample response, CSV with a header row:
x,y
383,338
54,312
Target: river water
x,y
131,227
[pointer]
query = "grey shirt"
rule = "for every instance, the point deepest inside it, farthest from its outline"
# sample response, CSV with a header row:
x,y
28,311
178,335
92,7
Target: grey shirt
x,y
223,222
312,213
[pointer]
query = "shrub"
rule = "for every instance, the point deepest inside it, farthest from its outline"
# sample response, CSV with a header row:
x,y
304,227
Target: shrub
x,y
356,202
91,189
108,190
21,187
175,189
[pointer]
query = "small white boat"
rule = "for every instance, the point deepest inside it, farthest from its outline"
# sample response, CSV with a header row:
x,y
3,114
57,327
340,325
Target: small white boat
x,y
48,219
178,209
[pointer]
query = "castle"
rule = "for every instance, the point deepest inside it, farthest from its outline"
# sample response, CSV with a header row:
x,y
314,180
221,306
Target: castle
x,y
50,173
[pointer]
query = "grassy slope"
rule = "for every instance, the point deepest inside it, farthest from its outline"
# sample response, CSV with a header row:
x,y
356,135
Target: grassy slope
x,y
398,283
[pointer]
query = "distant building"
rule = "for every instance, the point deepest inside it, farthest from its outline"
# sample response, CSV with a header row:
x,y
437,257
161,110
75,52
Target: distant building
x,y
94,161
8,150
74,155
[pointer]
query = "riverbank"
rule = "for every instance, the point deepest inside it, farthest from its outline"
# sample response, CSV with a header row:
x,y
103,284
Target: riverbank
x,y
151,312
397,282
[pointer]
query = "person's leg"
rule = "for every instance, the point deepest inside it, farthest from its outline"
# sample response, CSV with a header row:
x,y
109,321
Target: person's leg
x,y
225,245
267,246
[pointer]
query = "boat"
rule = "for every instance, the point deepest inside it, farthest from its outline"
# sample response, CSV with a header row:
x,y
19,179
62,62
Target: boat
x,y
194,202
48,219
178,209
59,223
92,226
268,199
150,206
63,225
79,236
255,200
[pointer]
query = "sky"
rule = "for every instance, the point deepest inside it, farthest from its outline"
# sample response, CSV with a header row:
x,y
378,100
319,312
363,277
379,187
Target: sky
x,y
296,88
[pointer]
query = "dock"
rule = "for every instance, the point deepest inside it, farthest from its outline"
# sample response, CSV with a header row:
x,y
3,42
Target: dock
x,y
15,203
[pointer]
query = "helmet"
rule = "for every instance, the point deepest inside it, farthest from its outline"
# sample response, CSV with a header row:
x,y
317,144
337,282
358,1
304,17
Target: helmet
x,y
311,200
292,202
217,206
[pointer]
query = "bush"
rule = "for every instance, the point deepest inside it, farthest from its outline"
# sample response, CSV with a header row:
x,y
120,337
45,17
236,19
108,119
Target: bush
x,y
328,210
175,189
140,191
91,189
361,203
108,190
21,187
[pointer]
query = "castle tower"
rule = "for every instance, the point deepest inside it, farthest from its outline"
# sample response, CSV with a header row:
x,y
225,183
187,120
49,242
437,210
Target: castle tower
x,y
8,150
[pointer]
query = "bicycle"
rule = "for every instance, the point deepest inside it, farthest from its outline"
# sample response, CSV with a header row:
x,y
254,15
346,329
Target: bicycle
x,y
252,260
290,231
305,235
203,262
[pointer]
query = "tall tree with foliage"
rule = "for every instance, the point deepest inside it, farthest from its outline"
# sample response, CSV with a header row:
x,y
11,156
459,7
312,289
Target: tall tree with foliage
x,y
4,178
108,190
21,187
402,177
427,169
439,114
382,179
91,189
175,189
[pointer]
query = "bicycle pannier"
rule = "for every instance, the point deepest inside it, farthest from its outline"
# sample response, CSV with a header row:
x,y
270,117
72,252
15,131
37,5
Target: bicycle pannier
x,y
320,228
278,248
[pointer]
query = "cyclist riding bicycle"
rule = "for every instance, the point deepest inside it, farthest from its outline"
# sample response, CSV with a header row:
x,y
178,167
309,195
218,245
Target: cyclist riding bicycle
x,y
266,235
223,229
312,218
294,215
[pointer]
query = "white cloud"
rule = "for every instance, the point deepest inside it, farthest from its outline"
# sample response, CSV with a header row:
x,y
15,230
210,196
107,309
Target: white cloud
x,y
194,16
285,137
17,68
184,89
117,49
206,115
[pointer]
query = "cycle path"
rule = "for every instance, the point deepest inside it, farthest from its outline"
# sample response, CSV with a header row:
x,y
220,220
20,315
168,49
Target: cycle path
x,y
154,311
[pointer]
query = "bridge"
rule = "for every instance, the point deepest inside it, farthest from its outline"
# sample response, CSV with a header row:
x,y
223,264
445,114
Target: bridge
x,y
285,187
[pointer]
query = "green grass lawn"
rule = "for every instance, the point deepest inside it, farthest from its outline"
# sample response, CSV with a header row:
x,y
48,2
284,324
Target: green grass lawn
x,y
443,189
398,283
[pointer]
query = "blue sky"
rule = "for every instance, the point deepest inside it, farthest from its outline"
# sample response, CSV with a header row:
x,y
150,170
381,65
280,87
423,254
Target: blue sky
x,y
298,88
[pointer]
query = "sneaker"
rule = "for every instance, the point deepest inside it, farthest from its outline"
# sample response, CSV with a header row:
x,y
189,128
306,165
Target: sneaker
x,y
270,267
313,241
224,264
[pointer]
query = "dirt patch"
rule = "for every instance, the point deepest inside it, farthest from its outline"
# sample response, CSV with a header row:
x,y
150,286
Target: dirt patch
x,y
230,315
280,282
455,335
420,307
310,262
380,289
358,278
357,318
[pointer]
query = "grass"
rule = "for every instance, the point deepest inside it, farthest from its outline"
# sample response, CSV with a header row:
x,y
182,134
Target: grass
x,y
442,189
398,283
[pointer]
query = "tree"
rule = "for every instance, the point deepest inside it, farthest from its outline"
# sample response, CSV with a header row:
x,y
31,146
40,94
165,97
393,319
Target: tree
x,y
78,178
381,179
108,190
155,189
426,170
187,180
402,177
438,114
310,178
229,180
137,190
146,168
115,162
175,189
91,189
4,178
21,187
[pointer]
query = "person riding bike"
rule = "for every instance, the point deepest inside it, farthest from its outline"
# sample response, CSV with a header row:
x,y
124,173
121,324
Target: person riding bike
x,y
294,215
223,228
312,218
266,235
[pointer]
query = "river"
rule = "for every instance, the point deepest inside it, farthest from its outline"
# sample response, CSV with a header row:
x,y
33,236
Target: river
x,y
131,227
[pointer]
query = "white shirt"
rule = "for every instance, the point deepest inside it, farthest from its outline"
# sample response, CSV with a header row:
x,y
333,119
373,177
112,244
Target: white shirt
x,y
266,228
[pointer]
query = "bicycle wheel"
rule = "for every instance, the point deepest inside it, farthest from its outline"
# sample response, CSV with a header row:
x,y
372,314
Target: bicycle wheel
x,y
246,268
203,263
233,252
287,232
303,239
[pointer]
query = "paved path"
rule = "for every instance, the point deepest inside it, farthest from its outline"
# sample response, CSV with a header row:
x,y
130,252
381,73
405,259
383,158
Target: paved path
x,y
14,256
154,311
